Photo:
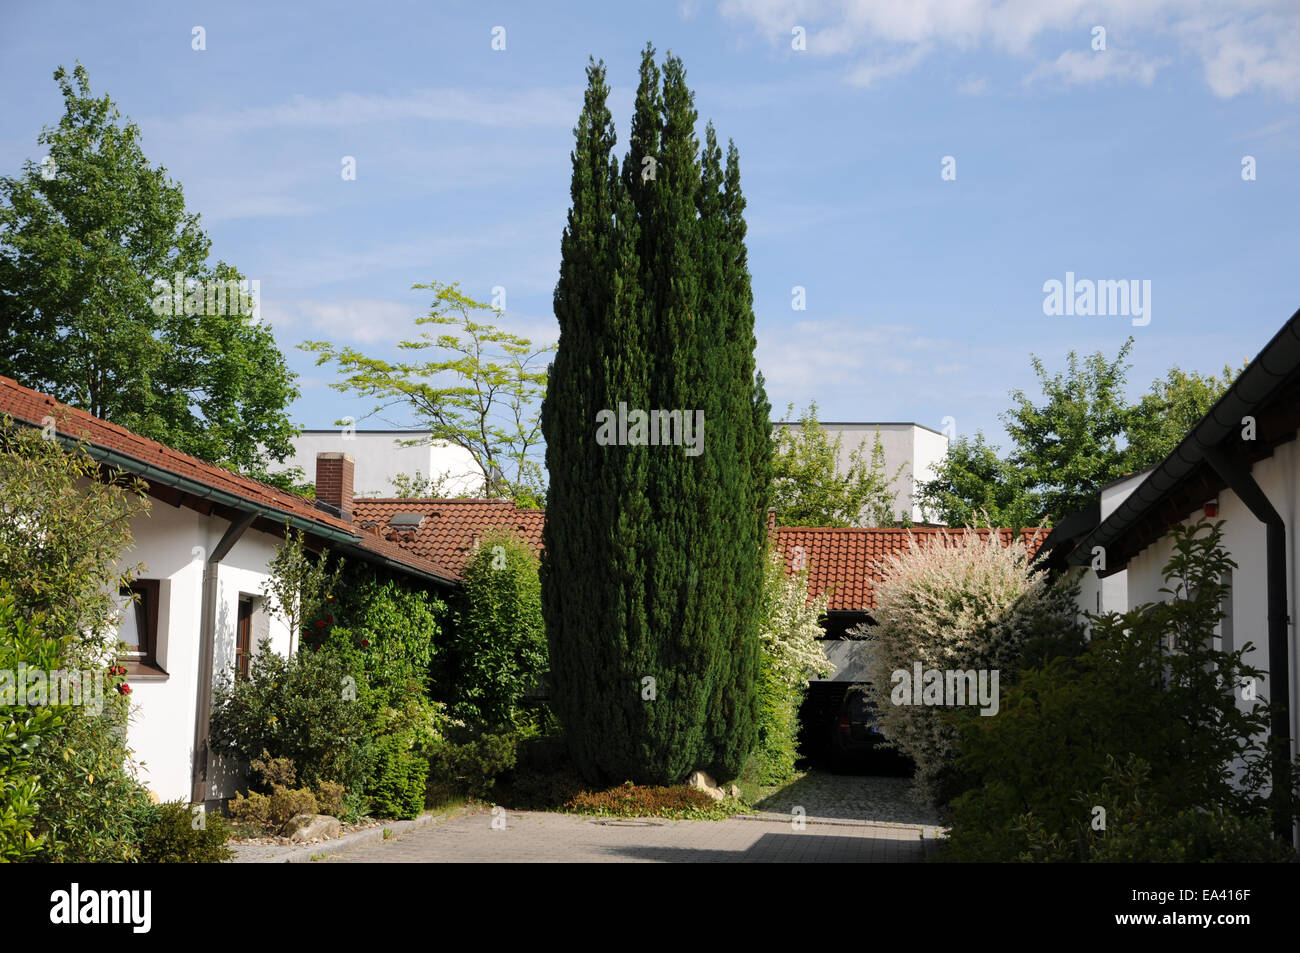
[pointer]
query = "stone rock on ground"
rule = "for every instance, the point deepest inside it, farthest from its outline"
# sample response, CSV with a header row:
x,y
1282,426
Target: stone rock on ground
x,y
305,827
704,782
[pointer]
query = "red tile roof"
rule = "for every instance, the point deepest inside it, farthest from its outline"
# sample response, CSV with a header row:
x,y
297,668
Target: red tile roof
x,y
847,561
35,408
850,561
450,528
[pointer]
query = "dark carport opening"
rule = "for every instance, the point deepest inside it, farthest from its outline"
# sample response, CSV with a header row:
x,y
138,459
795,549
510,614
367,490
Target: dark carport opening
x,y
823,706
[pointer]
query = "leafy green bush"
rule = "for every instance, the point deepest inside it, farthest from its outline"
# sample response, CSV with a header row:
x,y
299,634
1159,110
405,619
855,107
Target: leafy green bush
x,y
1141,828
67,789
470,768
790,655
1191,836
309,708
89,793
1149,694
397,785
171,833
350,713
499,643
395,627
22,727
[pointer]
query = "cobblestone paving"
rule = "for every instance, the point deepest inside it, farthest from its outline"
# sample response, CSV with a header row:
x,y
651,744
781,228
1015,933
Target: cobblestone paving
x,y
829,796
537,837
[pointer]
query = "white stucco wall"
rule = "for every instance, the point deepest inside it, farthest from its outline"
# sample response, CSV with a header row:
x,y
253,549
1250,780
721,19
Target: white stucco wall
x,y
1100,595
911,447
161,733
379,457
928,450
1244,539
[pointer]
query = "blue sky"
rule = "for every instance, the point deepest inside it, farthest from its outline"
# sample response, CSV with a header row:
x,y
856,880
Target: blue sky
x,y
924,296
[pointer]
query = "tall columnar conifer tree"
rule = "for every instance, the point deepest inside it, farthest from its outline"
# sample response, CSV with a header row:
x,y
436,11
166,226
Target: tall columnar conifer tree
x,y
653,564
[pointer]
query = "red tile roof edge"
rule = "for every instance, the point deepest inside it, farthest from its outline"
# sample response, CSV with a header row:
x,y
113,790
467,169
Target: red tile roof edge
x,y
31,407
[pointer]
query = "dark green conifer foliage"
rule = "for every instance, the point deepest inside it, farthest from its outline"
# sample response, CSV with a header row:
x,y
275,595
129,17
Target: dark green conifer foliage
x,y
653,562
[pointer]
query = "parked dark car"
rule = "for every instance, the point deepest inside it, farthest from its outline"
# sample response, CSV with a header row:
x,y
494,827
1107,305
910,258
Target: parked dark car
x,y
854,735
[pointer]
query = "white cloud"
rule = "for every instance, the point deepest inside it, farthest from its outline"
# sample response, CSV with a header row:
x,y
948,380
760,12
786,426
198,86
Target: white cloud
x,y
233,206
1243,45
1240,55
1080,67
821,357
536,106
871,72
973,86
1269,131
359,320
383,321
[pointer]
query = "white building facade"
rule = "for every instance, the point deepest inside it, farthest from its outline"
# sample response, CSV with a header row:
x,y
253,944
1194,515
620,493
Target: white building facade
x,y
197,609
911,451
1238,467
381,456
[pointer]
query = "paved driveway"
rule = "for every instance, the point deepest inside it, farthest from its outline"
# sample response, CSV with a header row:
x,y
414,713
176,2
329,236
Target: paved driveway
x,y
536,837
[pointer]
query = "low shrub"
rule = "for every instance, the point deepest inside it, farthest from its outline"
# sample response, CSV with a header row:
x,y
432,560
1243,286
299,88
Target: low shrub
x,y
254,808
529,790
172,833
287,803
471,768
640,800
330,797
1145,723
1193,837
274,772
1142,828
271,810
311,708
398,778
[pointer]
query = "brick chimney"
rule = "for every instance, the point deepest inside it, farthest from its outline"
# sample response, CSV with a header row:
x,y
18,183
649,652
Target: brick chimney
x,y
334,482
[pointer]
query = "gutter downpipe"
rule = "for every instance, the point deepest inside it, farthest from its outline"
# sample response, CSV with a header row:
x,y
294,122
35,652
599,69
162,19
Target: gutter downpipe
x,y
1241,483
207,644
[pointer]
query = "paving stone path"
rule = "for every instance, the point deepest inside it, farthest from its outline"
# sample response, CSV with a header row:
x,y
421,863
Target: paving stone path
x,y
538,837
845,818
851,797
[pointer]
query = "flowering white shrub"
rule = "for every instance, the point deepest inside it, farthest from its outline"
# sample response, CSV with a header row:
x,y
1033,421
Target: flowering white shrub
x,y
790,655
790,632
961,603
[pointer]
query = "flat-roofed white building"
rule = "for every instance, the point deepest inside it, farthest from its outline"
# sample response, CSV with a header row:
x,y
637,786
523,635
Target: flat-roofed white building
x,y
380,456
911,450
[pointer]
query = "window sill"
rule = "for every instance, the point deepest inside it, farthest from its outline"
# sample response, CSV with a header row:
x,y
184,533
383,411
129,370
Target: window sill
x,y
145,672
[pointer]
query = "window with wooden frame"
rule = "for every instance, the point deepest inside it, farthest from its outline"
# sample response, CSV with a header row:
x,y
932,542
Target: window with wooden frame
x,y
243,636
140,623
